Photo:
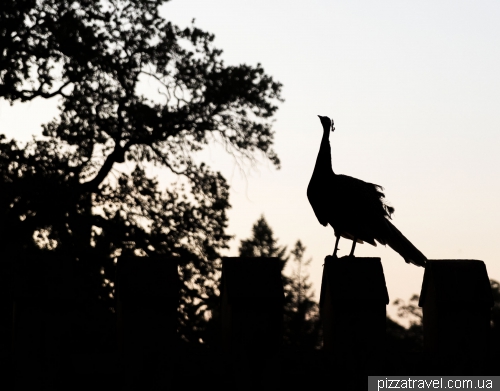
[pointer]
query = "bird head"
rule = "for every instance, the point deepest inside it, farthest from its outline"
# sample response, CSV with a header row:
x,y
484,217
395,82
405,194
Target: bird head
x,y
327,123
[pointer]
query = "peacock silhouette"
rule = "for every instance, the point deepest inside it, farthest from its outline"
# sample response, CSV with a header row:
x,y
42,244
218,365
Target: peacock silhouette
x,y
355,209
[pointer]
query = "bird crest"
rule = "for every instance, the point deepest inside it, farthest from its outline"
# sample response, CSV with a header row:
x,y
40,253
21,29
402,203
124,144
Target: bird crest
x,y
327,123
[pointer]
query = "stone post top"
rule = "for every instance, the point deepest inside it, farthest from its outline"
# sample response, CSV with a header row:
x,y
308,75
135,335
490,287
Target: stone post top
x,y
144,278
354,280
252,278
347,258
456,281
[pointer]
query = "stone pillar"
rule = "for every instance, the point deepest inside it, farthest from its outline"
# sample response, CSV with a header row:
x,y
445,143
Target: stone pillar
x,y
44,294
456,301
6,322
147,299
353,311
252,320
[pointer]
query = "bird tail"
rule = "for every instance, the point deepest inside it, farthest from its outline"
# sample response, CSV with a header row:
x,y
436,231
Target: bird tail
x,y
397,241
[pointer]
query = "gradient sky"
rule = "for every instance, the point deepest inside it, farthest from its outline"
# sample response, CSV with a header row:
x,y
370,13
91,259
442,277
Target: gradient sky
x,y
414,89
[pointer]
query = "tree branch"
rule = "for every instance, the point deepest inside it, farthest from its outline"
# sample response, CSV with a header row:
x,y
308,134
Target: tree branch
x,y
117,156
39,92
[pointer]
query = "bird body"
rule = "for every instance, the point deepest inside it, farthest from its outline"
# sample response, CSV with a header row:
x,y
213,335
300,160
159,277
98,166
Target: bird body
x,y
355,209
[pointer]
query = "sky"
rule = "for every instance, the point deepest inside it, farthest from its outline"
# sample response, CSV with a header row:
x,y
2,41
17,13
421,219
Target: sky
x,y
414,90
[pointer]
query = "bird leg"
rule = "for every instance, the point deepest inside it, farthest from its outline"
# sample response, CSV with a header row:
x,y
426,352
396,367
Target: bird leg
x,y
336,246
353,246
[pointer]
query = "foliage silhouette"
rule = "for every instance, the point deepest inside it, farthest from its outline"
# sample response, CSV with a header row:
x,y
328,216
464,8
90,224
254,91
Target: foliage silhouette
x,y
406,339
63,192
301,312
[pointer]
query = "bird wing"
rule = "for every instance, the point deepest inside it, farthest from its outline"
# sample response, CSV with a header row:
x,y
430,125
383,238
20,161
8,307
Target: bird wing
x,y
364,197
370,215
359,209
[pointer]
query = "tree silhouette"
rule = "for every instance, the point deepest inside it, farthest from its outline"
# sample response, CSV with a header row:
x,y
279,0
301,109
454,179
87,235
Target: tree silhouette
x,y
263,243
301,314
301,311
65,191
406,339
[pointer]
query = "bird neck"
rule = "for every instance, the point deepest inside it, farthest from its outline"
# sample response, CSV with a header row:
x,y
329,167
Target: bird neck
x,y
324,160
